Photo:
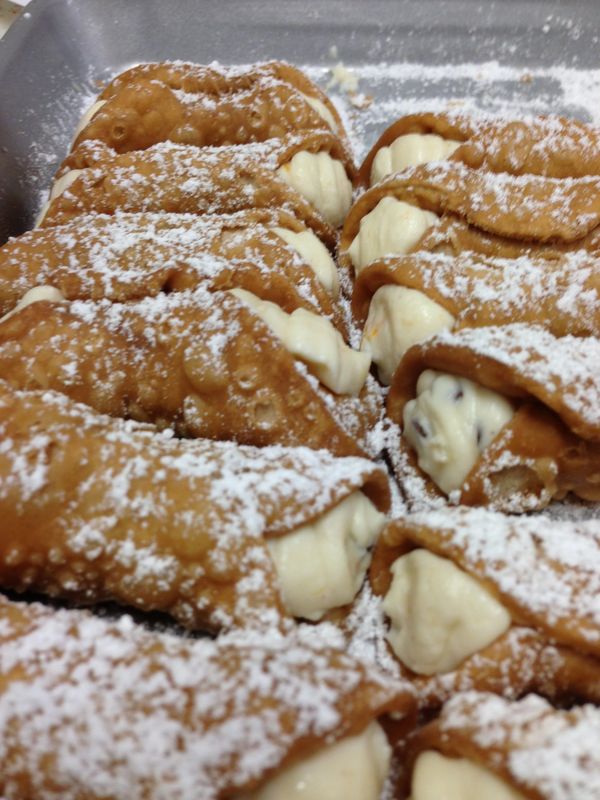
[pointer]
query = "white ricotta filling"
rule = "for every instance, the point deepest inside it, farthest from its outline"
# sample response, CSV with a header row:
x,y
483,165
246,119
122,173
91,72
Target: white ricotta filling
x,y
314,341
322,565
392,227
408,151
354,768
35,295
437,777
322,110
322,180
450,423
315,254
398,318
88,117
59,187
438,614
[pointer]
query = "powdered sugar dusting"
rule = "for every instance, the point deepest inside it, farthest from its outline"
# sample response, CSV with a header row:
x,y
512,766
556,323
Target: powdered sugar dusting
x,y
367,628
495,290
157,713
129,255
249,490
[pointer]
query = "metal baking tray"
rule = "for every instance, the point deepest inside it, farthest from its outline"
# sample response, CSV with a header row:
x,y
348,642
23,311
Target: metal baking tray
x,y
57,52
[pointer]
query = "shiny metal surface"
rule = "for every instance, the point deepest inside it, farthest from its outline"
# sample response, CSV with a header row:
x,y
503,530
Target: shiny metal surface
x,y
52,57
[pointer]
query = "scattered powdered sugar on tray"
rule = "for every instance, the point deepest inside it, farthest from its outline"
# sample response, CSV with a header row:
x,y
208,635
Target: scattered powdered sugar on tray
x,y
396,88
408,88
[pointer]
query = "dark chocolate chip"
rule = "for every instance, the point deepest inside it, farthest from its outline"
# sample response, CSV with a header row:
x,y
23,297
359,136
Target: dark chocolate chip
x,y
419,428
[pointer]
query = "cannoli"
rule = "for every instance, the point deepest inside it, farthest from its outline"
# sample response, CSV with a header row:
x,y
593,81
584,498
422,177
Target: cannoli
x,y
503,416
553,146
485,746
310,175
476,599
129,256
448,207
402,300
222,365
213,534
92,708
206,105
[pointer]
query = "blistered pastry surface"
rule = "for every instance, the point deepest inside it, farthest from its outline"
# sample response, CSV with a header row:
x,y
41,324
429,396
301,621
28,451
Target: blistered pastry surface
x,y
550,145
523,206
128,256
215,367
255,106
172,177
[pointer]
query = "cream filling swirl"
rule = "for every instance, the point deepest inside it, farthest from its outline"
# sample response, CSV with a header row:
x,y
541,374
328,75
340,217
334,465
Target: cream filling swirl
x,y
398,318
409,150
393,227
314,341
322,180
317,256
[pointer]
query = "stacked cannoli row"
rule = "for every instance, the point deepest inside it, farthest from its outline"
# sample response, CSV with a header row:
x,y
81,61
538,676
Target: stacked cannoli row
x,y
184,423
189,429
477,287
219,537
476,282
206,255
